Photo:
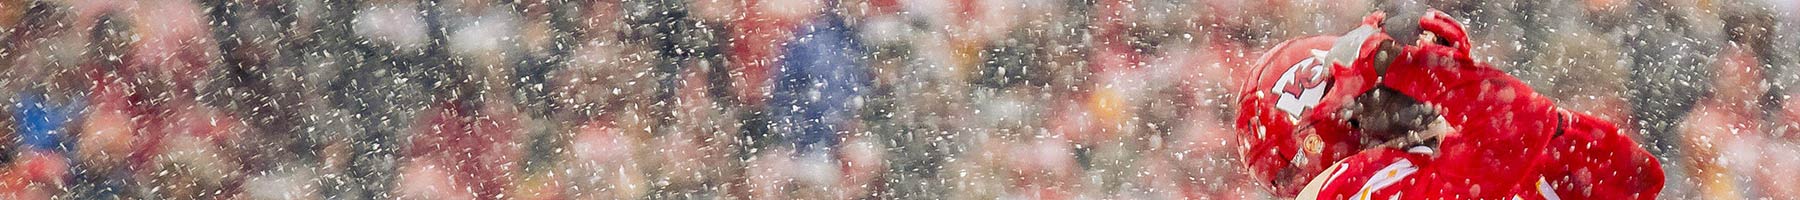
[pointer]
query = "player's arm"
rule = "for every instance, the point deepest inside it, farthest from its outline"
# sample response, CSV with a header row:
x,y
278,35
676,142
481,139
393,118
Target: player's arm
x,y
1501,125
1588,144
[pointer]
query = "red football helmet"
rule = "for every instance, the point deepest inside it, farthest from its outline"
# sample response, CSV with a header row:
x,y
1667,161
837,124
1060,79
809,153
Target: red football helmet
x,y
1290,121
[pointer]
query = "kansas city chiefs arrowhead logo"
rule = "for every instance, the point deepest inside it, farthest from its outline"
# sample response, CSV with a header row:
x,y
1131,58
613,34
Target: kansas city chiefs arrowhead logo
x,y
1302,86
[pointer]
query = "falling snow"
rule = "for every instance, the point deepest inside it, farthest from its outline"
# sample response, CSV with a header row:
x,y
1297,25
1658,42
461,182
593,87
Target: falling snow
x,y
800,99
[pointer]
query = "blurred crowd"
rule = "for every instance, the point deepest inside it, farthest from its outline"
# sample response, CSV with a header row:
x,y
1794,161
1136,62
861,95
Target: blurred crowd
x,y
797,99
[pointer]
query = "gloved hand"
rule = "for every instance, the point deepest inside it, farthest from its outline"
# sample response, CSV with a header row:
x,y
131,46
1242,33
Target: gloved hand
x,y
1439,59
1438,28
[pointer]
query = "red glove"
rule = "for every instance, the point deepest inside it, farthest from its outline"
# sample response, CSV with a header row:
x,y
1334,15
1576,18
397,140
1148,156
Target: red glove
x,y
1439,29
1439,60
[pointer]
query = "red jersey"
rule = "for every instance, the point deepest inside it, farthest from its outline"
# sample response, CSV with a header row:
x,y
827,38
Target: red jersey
x,y
1507,142
1589,159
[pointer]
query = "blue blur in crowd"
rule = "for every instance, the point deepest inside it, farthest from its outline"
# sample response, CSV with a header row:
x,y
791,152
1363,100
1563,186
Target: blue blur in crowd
x,y
821,73
41,123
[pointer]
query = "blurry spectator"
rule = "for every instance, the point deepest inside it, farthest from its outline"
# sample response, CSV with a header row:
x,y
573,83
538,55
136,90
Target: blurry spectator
x,y
1739,123
603,158
818,89
1724,126
758,32
1664,70
37,166
109,128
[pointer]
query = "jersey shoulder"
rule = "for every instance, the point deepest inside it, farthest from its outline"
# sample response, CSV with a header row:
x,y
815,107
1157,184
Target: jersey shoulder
x,y
1372,173
1391,173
